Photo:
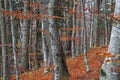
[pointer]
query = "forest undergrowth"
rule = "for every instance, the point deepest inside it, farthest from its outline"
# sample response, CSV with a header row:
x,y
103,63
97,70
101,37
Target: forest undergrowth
x,y
76,67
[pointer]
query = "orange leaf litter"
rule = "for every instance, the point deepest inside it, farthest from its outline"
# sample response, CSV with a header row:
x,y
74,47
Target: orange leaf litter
x,y
76,67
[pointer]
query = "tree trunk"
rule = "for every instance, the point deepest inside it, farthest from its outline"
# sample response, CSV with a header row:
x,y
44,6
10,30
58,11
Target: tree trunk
x,y
13,43
3,41
44,48
110,70
77,40
24,39
106,22
60,69
73,33
34,39
84,37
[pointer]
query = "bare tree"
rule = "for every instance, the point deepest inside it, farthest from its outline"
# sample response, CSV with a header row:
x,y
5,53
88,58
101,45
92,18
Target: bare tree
x,y
60,69
24,38
109,70
3,41
73,32
106,22
44,48
13,42
84,36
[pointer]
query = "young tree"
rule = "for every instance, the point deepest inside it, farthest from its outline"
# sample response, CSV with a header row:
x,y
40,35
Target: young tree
x,y
13,42
110,70
106,22
3,41
73,32
44,48
34,36
84,36
24,39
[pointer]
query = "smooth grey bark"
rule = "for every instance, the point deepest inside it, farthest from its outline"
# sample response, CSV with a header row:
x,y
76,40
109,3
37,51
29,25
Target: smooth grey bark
x,y
81,33
67,46
96,22
110,70
34,38
77,40
47,56
73,33
44,48
30,48
3,41
84,37
91,28
110,20
60,69
106,22
13,42
34,42
24,39
68,23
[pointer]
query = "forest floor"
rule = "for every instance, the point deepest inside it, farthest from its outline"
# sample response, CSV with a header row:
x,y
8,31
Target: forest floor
x,y
76,67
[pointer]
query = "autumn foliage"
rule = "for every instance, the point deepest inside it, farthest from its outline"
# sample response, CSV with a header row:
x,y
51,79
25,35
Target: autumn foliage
x,y
76,66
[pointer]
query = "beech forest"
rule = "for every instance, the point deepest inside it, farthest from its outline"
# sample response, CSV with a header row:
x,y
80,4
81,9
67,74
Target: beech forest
x,y
59,39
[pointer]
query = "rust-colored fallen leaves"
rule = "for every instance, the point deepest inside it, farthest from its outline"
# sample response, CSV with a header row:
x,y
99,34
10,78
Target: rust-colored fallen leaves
x,y
76,67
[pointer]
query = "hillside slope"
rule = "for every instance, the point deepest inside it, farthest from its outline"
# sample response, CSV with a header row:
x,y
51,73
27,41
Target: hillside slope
x,y
76,67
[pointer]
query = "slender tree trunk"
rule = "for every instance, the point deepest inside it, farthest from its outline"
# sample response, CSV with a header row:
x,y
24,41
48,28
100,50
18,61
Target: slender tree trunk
x,y
94,23
44,48
24,39
110,22
66,43
106,22
3,41
13,43
30,47
77,40
68,24
91,29
34,38
73,32
96,12
84,37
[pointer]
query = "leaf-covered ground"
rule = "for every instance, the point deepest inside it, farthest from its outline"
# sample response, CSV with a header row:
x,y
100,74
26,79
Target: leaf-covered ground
x,y
76,67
